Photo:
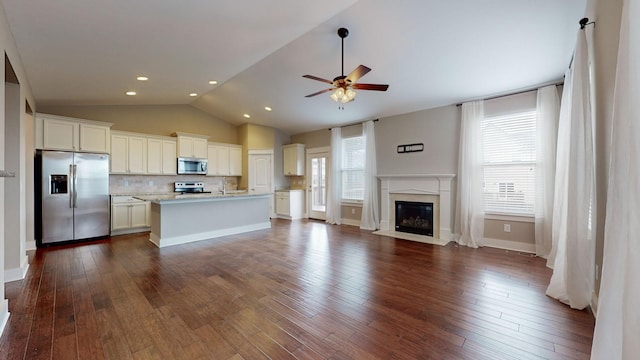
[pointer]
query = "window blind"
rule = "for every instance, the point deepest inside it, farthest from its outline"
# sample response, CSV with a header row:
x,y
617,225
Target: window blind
x,y
353,159
509,163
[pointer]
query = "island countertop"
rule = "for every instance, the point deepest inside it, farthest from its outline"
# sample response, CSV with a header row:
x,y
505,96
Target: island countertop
x,y
195,197
183,218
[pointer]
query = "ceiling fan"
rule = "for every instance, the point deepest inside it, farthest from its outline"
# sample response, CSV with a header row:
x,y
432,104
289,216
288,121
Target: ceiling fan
x,y
344,86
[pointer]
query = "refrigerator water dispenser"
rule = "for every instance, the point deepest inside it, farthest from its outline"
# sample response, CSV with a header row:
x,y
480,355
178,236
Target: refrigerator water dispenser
x,y
58,184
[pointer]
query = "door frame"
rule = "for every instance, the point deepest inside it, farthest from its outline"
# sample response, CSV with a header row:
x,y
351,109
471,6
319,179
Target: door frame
x,y
309,154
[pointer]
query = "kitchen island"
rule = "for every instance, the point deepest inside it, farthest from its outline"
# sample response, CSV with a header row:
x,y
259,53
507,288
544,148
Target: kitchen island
x,y
180,219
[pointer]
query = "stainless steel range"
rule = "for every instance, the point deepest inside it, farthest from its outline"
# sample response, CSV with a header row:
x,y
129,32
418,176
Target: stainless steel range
x,y
189,187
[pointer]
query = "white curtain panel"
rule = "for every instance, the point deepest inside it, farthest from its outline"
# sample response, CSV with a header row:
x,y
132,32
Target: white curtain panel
x,y
370,219
334,187
548,109
560,188
572,279
618,319
470,201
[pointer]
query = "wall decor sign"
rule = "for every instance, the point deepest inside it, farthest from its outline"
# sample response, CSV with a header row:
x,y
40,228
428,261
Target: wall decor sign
x,y
410,148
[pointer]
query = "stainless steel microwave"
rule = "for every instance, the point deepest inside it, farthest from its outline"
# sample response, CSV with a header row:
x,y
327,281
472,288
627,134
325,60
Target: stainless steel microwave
x,y
192,166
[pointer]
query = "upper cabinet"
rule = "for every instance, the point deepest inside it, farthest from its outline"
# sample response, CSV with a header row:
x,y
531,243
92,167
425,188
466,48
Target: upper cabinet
x,y
133,153
161,156
293,159
224,160
63,133
192,145
128,153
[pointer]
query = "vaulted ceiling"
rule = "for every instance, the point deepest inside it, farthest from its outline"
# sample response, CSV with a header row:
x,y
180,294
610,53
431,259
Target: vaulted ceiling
x,y
430,52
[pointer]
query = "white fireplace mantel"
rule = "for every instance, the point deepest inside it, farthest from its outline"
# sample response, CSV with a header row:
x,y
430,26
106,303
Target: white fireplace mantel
x,y
417,184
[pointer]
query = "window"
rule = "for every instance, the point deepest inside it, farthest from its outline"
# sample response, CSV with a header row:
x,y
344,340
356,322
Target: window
x,y
509,163
353,159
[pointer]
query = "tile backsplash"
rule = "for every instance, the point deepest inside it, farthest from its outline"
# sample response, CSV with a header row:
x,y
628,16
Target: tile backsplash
x,y
160,184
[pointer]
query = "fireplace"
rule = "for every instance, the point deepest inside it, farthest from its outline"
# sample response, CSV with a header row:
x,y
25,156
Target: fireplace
x,y
418,188
414,217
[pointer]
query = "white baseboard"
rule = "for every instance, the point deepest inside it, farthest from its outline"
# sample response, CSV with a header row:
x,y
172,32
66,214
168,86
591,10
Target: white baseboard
x,y
510,245
30,245
4,314
351,222
184,239
130,231
17,273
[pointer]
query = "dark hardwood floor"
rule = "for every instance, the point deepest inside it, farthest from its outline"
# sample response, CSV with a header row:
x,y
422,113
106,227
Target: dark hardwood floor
x,y
301,290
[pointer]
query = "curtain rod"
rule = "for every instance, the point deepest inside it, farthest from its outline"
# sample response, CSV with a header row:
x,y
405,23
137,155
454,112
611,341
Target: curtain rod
x,y
355,123
517,92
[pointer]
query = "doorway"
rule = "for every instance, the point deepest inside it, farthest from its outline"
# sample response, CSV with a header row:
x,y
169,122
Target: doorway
x,y
317,167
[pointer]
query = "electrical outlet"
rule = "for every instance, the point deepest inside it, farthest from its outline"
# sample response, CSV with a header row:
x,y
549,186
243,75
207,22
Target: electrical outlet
x,y
126,183
353,211
507,227
150,182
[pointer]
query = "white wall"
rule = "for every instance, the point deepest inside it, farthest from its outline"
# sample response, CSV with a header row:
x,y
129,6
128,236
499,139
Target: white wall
x,y
7,44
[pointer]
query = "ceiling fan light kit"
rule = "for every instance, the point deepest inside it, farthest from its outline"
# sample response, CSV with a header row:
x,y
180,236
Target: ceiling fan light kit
x,y
344,87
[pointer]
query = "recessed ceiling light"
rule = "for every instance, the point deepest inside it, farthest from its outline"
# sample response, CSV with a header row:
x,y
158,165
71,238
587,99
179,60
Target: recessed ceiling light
x,y
267,108
247,115
142,78
212,82
130,93
193,94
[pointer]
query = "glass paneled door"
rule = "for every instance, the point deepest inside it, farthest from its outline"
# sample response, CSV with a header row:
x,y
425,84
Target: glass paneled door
x,y
317,166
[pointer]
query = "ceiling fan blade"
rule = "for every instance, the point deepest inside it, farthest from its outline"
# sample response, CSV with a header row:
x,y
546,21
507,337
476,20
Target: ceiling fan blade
x,y
318,79
320,92
356,74
376,87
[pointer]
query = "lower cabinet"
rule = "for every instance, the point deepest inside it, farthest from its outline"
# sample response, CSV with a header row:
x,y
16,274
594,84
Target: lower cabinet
x,y
129,215
290,204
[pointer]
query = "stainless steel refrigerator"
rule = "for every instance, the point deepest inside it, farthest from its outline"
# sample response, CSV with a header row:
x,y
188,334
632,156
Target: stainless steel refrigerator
x,y
72,196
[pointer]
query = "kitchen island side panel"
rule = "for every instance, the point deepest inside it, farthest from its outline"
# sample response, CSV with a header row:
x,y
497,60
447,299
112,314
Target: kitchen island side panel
x,y
174,223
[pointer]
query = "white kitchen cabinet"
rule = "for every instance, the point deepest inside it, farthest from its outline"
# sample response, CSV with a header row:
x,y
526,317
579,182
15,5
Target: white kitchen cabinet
x,y
224,160
95,138
235,161
62,133
119,153
218,160
128,154
191,145
293,159
161,156
129,215
290,204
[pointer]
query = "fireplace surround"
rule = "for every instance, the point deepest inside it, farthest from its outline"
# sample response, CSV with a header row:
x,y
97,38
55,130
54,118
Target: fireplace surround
x,y
426,188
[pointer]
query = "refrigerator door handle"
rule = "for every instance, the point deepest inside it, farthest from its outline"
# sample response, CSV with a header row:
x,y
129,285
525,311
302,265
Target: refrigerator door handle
x,y
71,188
75,186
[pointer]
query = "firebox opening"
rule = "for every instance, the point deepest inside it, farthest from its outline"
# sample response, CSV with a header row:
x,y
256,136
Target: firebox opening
x,y
414,217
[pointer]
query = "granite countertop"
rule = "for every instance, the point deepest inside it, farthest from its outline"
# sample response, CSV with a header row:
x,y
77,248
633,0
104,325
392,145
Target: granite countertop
x,y
195,196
